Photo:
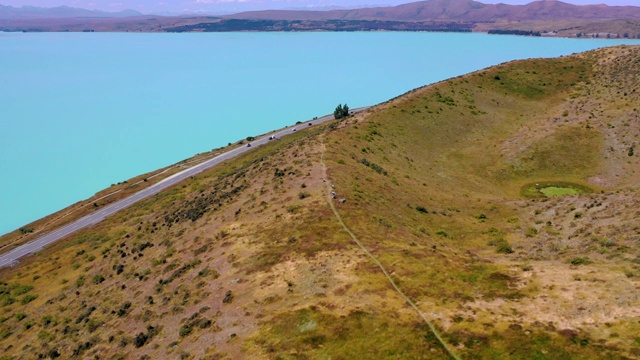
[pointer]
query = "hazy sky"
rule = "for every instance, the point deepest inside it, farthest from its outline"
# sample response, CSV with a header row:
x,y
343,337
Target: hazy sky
x,y
213,6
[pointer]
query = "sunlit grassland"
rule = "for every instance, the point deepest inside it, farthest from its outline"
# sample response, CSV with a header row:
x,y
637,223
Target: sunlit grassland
x,y
104,266
432,207
314,333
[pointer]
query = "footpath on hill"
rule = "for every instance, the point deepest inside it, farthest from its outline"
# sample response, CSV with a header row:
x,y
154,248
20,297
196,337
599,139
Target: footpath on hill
x,y
355,239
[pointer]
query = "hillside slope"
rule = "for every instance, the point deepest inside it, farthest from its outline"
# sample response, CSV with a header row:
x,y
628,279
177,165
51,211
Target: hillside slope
x,y
456,10
443,218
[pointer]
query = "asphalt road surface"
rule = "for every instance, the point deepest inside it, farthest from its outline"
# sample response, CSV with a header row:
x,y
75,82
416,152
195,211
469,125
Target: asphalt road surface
x,y
11,257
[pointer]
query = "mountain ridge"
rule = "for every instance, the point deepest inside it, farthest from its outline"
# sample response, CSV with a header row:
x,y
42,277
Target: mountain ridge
x,y
546,17
33,12
459,10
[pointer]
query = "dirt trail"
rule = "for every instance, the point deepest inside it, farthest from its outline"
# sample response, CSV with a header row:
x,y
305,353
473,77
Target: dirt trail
x,y
355,239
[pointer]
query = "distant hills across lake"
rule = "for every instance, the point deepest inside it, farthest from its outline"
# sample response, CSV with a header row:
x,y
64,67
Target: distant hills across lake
x,y
546,17
34,12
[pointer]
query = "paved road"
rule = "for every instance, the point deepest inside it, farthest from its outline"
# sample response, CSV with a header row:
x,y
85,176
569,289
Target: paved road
x,y
11,257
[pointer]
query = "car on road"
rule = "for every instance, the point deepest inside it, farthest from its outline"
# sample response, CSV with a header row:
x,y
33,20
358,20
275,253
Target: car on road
x,y
294,129
249,145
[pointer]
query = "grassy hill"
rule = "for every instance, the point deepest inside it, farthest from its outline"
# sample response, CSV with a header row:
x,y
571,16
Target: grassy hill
x,y
493,215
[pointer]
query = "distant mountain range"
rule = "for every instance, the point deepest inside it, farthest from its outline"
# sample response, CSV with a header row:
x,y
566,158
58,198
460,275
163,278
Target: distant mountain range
x,y
429,10
458,10
60,12
543,17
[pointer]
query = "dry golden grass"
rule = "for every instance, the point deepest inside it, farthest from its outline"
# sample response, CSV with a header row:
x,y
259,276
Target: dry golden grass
x,y
248,260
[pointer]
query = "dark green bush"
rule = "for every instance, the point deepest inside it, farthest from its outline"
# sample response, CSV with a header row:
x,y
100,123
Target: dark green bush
x,y
580,261
185,330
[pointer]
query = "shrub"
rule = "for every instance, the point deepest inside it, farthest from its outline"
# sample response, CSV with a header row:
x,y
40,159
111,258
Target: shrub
x,y
303,195
140,340
124,341
20,289
201,250
185,330
47,320
580,261
27,299
377,168
422,209
504,248
85,316
207,271
527,267
531,232
204,323
81,348
97,279
118,268
6,300
53,354
228,297
124,309
24,231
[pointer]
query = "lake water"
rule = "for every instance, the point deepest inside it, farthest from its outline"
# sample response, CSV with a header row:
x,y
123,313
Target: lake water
x,y
81,111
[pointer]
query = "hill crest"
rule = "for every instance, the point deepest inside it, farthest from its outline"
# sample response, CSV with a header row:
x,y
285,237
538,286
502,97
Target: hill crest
x,y
60,12
456,10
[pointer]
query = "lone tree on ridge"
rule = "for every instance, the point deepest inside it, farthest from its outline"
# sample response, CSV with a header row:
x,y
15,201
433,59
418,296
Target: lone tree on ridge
x,y
342,111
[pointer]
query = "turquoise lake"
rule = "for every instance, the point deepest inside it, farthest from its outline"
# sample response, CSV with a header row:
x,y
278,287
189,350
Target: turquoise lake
x,y
81,111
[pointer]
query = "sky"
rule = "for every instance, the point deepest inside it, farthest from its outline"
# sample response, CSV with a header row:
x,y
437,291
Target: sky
x,y
161,7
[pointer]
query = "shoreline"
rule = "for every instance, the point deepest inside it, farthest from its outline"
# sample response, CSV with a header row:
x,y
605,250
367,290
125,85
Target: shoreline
x,y
498,32
11,257
567,28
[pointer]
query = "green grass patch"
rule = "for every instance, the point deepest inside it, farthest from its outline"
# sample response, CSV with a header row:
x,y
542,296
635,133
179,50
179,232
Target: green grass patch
x,y
571,151
517,342
540,78
553,188
559,191
313,334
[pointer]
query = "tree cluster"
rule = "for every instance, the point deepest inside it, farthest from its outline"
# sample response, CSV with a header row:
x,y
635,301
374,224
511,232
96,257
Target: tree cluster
x,y
342,111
